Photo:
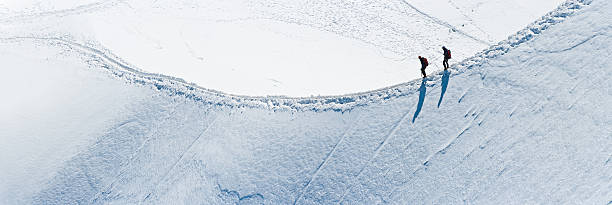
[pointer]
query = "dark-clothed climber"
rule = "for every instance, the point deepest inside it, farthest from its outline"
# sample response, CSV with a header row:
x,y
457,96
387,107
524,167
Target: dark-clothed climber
x,y
424,65
447,55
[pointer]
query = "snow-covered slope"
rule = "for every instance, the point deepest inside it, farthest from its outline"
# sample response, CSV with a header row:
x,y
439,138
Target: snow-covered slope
x,y
527,121
52,109
272,47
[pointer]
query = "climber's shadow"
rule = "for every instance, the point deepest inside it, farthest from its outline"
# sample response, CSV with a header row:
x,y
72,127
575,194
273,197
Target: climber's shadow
x,y
422,91
445,78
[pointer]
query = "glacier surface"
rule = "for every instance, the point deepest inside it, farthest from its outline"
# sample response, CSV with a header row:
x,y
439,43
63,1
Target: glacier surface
x,y
526,121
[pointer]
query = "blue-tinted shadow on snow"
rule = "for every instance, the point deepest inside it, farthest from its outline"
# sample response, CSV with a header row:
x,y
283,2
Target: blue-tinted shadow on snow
x,y
422,91
445,78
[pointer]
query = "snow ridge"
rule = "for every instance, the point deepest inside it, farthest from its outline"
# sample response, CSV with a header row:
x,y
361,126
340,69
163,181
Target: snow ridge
x,y
97,56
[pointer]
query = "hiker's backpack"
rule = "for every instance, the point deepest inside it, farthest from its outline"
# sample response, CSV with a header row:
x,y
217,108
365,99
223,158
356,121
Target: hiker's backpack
x,y
448,54
425,62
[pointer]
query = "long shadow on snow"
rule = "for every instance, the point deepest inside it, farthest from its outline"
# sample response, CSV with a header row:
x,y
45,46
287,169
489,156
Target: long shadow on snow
x,y
445,78
422,91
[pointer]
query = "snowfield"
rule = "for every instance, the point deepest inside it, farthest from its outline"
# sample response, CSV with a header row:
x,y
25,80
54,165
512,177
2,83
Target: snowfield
x,y
272,47
528,120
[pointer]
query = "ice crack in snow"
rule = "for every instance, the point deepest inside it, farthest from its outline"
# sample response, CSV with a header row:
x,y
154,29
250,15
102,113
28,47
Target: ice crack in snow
x,y
323,163
163,177
446,24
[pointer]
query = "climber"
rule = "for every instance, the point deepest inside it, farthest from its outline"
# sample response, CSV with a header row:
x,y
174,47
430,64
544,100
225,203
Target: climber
x,y
424,65
447,55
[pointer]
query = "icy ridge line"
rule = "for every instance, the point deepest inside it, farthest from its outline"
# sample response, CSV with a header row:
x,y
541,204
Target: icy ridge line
x,y
341,103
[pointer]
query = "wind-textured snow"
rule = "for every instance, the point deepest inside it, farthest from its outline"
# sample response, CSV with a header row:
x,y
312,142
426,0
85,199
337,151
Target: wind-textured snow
x,y
277,47
525,121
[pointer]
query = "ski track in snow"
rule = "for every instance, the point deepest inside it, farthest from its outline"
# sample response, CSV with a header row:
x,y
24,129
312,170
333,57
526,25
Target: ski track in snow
x,y
343,103
450,143
376,152
571,47
180,158
130,159
454,5
327,157
445,24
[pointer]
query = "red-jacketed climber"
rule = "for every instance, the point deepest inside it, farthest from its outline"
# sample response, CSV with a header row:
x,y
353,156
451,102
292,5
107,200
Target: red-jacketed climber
x,y
447,55
424,65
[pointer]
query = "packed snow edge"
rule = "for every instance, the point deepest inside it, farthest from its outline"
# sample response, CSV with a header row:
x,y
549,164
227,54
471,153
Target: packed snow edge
x,y
97,56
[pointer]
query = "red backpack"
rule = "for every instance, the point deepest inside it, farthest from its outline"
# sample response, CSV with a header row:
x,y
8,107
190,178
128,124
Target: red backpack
x,y
448,54
425,61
